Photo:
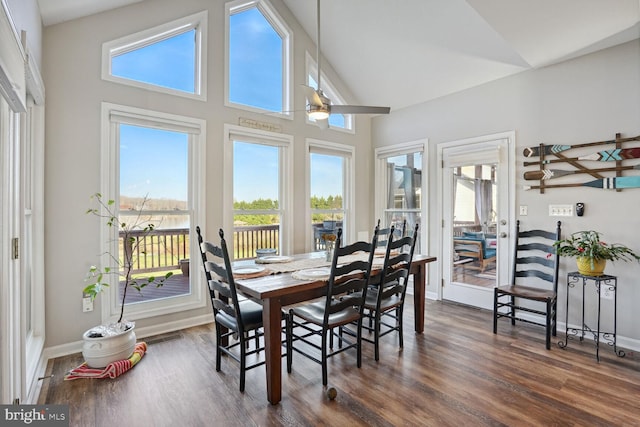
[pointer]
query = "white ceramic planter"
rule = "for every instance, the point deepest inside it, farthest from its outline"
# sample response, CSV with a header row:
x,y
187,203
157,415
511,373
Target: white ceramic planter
x,y
98,352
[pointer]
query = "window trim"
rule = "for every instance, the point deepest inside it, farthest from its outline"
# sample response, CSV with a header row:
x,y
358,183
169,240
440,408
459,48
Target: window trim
x,y
197,21
109,179
329,89
349,153
281,27
381,155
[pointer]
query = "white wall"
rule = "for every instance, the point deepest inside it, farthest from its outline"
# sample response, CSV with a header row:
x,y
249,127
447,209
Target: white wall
x,y
587,99
71,63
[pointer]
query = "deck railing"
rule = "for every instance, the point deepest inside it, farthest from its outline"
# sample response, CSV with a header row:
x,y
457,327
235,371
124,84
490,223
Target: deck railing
x,y
159,250
162,250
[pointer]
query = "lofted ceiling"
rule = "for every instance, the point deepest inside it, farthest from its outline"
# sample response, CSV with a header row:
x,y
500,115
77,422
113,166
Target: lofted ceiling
x,y
400,53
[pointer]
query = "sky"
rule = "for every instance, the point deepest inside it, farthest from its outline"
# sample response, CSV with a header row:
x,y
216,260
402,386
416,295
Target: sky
x,y
255,79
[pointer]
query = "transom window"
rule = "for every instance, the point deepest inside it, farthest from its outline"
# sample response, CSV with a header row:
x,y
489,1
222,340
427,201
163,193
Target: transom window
x,y
257,58
168,58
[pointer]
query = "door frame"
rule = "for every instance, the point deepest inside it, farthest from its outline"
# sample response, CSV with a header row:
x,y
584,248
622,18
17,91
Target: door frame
x,y
475,295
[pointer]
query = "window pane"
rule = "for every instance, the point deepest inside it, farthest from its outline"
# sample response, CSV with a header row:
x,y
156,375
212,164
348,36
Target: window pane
x,y
327,181
154,165
255,176
327,195
257,216
404,194
405,174
168,63
255,61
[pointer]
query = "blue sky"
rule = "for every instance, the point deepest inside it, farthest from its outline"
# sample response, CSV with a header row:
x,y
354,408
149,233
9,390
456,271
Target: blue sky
x,y
255,79
257,175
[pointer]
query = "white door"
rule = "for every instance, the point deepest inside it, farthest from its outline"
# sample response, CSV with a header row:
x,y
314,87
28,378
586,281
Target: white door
x,y
10,337
476,198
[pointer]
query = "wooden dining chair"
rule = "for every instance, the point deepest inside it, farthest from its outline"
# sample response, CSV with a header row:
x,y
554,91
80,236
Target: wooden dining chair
x,y
533,291
384,303
384,233
309,325
238,321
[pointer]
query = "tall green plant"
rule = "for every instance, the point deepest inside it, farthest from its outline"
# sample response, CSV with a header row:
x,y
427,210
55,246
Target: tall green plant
x,y
97,277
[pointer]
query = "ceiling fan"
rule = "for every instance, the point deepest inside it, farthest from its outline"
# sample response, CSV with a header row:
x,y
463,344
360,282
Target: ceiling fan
x,y
319,107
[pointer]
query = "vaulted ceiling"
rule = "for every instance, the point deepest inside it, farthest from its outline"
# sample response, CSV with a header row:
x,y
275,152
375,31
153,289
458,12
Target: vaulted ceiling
x,y
400,53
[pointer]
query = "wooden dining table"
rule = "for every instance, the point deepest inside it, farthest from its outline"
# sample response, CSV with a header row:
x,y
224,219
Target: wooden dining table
x,y
275,291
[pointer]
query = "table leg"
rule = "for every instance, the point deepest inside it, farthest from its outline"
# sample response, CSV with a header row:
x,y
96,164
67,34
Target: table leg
x,y
419,285
272,322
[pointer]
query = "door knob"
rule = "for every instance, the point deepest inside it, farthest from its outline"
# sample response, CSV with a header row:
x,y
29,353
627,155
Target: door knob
x,y
503,234
503,222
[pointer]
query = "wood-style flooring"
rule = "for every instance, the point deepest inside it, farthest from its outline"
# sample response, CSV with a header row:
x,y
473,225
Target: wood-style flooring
x,y
457,373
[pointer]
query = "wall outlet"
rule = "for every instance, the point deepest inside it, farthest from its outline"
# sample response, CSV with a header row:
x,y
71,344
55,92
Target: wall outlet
x,y
560,210
87,304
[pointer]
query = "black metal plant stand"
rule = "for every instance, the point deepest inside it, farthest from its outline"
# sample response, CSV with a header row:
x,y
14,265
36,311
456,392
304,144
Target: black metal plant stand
x,y
601,282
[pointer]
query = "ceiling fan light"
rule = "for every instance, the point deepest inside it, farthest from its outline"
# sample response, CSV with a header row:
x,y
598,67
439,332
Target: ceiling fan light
x,y
318,114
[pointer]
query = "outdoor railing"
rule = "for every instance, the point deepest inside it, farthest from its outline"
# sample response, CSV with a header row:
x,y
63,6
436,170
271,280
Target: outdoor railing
x,y
162,250
248,238
159,250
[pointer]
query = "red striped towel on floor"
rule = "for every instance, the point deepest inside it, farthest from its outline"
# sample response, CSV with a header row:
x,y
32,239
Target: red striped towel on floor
x,y
112,370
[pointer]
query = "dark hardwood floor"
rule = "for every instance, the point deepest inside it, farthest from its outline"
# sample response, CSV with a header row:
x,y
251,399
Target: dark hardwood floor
x,y
458,373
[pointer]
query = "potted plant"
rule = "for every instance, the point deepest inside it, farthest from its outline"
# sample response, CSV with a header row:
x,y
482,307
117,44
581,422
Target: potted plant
x,y
116,341
592,253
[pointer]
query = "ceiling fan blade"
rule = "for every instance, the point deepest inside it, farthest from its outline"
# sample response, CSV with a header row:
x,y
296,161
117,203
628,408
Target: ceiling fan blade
x,y
312,96
359,109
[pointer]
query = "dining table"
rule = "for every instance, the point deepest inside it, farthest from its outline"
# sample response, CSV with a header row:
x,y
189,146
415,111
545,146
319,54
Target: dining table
x,y
279,284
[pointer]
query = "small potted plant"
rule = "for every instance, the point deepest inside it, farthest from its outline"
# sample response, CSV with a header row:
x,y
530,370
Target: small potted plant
x,y
107,343
329,244
591,253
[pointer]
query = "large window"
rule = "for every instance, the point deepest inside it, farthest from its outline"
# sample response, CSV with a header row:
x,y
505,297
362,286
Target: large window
x,y
330,191
154,163
169,58
258,46
260,188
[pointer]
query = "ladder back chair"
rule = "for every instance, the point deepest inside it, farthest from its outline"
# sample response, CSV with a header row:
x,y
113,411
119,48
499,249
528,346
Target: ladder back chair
x,y
238,321
310,325
534,280
384,303
385,233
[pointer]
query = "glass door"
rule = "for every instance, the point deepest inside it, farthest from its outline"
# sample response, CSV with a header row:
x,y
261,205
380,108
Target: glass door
x,y
476,218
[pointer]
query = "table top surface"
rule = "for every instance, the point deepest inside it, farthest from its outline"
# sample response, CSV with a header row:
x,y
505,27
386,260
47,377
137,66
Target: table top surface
x,y
278,284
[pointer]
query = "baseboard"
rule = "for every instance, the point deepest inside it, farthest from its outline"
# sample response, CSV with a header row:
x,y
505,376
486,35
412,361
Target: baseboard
x,y
624,342
76,346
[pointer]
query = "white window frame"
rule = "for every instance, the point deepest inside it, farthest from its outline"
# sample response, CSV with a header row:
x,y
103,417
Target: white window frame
x,y
112,116
281,27
381,155
129,43
284,142
348,153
